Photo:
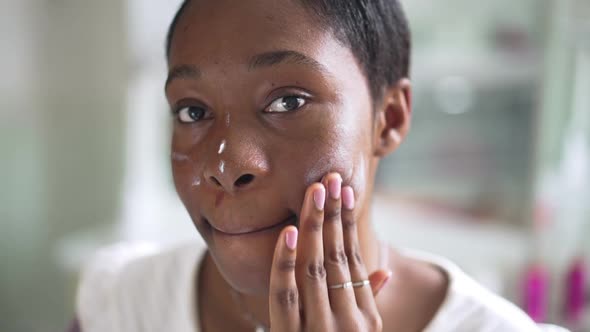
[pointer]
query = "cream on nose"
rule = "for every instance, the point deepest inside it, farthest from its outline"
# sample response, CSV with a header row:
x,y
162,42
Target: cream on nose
x,y
221,147
237,160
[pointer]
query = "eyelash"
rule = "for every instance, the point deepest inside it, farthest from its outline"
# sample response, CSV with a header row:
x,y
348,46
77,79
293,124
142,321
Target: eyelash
x,y
303,99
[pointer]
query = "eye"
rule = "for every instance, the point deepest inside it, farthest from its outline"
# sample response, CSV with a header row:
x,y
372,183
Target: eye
x,y
286,104
191,114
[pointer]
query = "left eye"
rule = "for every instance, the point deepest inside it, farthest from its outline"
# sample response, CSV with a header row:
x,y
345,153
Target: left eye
x,y
286,104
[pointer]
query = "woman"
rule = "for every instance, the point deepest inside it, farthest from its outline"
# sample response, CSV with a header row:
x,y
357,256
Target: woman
x,y
283,110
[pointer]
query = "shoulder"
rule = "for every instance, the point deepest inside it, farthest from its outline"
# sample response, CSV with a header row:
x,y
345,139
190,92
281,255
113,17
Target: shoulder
x,y
468,306
132,280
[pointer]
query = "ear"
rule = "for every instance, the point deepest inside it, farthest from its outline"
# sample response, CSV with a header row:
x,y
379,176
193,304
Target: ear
x,y
392,118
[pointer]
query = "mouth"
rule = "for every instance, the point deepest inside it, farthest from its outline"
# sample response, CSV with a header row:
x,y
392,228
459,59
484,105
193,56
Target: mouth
x,y
291,220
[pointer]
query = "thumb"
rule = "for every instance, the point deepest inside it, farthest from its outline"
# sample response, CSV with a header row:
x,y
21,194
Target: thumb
x,y
379,279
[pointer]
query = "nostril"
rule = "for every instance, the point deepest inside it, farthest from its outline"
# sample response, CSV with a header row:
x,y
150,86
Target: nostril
x,y
214,180
244,180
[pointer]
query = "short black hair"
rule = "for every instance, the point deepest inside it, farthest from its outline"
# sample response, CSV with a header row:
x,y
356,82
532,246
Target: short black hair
x,y
376,31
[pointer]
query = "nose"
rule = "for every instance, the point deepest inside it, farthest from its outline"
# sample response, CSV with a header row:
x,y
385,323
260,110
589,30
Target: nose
x,y
228,185
239,164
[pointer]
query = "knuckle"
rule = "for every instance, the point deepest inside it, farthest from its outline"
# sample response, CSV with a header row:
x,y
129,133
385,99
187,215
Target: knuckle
x,y
286,265
316,271
333,214
320,326
353,327
313,224
337,257
352,324
348,224
287,297
374,322
354,258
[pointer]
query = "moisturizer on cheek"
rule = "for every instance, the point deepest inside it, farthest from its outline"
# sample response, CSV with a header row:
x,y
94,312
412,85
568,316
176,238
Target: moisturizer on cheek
x,y
179,157
331,159
183,158
196,181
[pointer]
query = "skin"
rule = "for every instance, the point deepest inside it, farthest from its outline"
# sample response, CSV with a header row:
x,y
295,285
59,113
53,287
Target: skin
x,y
248,169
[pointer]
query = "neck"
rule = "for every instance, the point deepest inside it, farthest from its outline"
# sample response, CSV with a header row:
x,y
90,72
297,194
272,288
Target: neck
x,y
247,310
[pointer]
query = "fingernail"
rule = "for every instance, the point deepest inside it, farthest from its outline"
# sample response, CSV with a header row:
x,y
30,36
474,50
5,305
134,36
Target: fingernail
x,y
335,186
319,198
348,198
291,238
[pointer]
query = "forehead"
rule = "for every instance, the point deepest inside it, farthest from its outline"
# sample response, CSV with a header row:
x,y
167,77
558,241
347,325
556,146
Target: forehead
x,y
229,30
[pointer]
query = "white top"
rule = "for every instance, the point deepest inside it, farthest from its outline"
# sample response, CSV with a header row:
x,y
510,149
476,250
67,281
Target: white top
x,y
140,288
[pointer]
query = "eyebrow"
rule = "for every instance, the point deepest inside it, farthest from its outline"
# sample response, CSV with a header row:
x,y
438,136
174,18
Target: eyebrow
x,y
267,59
273,58
183,72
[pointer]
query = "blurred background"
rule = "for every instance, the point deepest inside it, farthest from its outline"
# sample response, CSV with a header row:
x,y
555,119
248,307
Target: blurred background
x,y
495,174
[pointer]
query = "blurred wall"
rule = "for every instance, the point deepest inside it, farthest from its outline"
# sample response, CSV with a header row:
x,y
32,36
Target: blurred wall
x,y
61,132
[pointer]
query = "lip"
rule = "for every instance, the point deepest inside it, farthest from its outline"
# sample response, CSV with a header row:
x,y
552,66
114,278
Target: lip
x,y
291,220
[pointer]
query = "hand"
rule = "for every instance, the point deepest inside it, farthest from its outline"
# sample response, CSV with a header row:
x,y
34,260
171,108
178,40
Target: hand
x,y
324,251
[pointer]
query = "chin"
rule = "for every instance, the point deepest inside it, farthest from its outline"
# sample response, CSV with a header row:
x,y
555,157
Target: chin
x,y
245,261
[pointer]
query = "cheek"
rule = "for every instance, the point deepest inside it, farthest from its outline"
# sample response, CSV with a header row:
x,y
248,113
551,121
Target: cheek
x,y
184,166
187,179
326,156
180,175
187,183
183,179
341,148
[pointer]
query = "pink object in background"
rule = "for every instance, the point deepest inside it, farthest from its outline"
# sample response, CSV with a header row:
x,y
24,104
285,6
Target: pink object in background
x,y
535,292
576,284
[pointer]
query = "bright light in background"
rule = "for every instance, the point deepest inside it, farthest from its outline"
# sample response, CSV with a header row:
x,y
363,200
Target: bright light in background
x,y
455,95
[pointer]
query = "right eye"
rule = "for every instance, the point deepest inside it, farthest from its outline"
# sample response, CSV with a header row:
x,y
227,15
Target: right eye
x,y
191,114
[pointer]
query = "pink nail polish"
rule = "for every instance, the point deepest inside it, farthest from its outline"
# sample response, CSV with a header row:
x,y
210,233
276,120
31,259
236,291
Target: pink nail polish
x,y
348,198
291,238
335,186
319,198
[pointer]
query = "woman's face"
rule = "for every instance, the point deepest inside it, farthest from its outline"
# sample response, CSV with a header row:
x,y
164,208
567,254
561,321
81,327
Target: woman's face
x,y
268,102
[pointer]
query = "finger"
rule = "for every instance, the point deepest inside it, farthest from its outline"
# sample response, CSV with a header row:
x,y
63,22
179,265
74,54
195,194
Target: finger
x,y
283,294
310,271
335,260
364,295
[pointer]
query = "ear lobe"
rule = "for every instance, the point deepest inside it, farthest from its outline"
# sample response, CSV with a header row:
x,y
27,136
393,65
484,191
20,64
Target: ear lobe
x,y
393,117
